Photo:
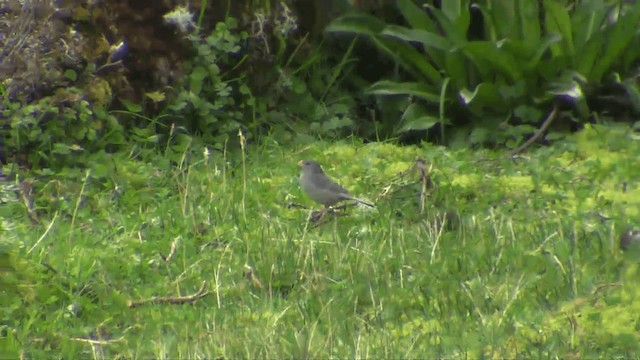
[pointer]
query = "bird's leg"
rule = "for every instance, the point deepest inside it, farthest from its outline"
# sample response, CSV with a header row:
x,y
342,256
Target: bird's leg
x,y
317,215
324,212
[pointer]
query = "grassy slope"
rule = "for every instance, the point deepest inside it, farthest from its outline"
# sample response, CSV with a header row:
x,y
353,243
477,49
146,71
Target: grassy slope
x,y
530,269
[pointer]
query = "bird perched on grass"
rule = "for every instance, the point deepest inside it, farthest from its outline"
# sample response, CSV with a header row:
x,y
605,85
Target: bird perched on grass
x,y
320,188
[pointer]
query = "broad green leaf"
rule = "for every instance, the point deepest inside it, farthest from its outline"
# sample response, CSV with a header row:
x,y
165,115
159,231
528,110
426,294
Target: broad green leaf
x,y
528,18
131,107
490,31
511,19
542,48
416,16
557,20
416,117
406,55
512,93
337,122
479,135
631,56
357,23
529,55
418,19
623,32
586,20
426,38
527,113
386,87
435,45
452,9
422,123
456,31
484,52
519,49
70,74
61,149
485,95
589,53
411,59
153,139
502,17
156,96
457,11
197,76
457,69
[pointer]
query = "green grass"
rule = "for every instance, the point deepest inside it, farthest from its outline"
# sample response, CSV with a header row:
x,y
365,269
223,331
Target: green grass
x,y
530,270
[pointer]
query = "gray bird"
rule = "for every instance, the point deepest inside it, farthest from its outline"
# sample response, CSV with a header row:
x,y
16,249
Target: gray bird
x,y
320,188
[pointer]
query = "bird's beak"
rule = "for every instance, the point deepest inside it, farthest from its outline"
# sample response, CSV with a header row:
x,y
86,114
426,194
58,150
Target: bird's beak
x,y
300,163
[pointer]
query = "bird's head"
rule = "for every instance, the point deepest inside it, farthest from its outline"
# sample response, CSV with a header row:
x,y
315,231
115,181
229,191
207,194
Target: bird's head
x,y
310,166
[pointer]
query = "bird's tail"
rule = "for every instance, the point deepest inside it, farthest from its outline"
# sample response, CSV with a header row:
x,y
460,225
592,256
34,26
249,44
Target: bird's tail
x,y
364,203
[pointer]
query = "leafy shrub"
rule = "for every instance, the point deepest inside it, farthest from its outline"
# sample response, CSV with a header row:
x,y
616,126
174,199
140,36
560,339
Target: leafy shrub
x,y
264,80
208,101
54,93
312,95
58,130
523,58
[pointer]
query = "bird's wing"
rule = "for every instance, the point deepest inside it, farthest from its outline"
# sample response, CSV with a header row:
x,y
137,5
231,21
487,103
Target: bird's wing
x,y
334,187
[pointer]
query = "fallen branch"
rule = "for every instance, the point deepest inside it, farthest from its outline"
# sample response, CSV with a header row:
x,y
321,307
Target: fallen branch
x,y
538,134
173,300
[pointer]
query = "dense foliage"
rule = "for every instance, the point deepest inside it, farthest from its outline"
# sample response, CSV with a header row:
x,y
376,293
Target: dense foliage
x,y
503,73
477,72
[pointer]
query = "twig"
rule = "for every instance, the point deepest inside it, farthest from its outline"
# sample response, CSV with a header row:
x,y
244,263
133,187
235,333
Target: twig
x,y
425,179
604,287
420,167
26,194
249,273
172,300
98,342
539,134
172,251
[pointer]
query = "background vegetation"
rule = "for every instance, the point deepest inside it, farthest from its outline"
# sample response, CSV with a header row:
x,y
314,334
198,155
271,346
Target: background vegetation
x,y
150,152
